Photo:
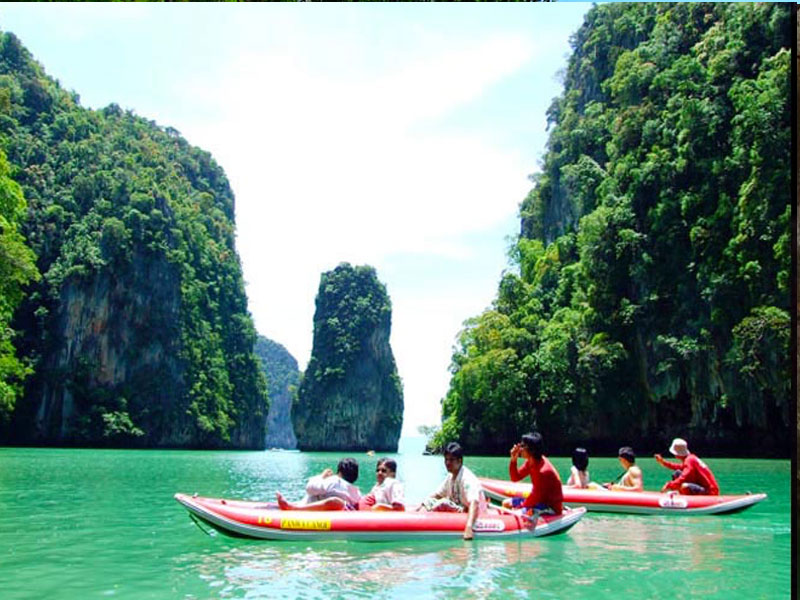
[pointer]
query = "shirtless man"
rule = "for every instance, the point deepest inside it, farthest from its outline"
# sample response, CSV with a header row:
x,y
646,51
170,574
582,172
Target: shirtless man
x,y
632,479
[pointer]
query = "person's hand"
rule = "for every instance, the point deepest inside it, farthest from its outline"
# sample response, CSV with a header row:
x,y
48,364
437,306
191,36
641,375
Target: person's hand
x,y
468,535
658,458
515,450
327,473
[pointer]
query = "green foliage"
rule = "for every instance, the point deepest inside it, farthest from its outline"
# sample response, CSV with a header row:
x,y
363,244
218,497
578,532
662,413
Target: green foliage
x,y
350,304
283,379
134,234
17,269
350,395
760,380
654,261
280,366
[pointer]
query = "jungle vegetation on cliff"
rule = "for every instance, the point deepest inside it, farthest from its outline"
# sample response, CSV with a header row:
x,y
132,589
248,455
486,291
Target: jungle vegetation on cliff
x,y
138,332
351,397
650,291
17,268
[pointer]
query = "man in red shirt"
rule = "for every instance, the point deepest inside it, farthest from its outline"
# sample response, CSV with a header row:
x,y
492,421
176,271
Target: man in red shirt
x,y
546,495
692,476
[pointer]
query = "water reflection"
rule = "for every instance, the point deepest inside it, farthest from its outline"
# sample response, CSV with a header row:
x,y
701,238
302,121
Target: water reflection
x,y
352,569
642,543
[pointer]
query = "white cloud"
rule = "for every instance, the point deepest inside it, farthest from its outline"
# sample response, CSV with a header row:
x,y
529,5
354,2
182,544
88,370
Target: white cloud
x,y
355,169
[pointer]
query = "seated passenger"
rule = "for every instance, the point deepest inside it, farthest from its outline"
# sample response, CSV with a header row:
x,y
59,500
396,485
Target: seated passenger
x,y
327,491
546,496
631,480
460,491
387,493
692,476
579,472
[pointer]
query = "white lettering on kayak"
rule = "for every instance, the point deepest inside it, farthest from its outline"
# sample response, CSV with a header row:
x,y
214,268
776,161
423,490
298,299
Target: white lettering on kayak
x,y
672,502
488,525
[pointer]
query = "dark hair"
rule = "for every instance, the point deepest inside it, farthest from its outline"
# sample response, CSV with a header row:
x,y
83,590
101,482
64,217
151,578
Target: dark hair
x,y
580,458
454,449
534,443
388,463
626,452
348,468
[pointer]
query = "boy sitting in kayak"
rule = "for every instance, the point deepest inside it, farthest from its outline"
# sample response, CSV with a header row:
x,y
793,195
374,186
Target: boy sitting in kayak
x,y
387,494
631,480
327,491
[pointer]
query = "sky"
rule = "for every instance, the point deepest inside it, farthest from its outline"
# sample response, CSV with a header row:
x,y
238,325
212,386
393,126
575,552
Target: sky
x,y
401,136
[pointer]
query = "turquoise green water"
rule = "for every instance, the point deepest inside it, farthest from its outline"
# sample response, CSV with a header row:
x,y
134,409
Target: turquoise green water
x,y
103,524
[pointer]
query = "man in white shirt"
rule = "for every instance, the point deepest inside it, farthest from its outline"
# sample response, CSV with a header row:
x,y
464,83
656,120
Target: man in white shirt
x,y
460,491
327,491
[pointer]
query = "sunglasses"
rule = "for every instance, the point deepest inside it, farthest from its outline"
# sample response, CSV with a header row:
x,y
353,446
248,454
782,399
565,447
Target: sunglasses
x,y
381,470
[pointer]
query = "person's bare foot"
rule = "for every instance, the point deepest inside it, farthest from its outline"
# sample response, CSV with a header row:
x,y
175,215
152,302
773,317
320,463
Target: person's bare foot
x,y
282,503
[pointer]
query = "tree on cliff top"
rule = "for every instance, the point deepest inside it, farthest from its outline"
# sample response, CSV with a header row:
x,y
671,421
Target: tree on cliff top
x,y
350,396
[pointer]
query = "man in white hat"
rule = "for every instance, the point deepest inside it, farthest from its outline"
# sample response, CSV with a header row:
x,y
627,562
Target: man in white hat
x,y
691,475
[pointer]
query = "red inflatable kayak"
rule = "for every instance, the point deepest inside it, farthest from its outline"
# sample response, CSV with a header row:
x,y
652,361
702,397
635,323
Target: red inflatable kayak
x,y
266,521
630,502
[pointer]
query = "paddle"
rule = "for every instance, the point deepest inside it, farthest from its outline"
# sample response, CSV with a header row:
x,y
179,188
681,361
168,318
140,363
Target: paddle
x,y
203,529
615,480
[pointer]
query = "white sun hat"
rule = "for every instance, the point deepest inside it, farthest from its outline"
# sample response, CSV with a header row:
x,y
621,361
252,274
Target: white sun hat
x,y
679,447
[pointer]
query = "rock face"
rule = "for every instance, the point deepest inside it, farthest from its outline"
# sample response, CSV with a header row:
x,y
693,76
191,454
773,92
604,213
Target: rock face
x,y
283,378
98,324
351,396
138,333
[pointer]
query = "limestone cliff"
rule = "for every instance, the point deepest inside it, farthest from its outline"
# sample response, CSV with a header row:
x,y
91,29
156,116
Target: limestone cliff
x,y
351,396
138,333
283,377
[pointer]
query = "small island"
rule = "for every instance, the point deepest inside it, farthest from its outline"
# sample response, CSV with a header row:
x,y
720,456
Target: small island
x,y
351,396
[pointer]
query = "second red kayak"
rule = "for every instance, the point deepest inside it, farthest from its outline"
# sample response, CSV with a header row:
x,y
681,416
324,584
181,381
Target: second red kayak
x,y
603,500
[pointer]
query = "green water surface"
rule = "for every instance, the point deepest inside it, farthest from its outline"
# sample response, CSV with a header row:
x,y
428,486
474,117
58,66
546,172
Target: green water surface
x,y
103,524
